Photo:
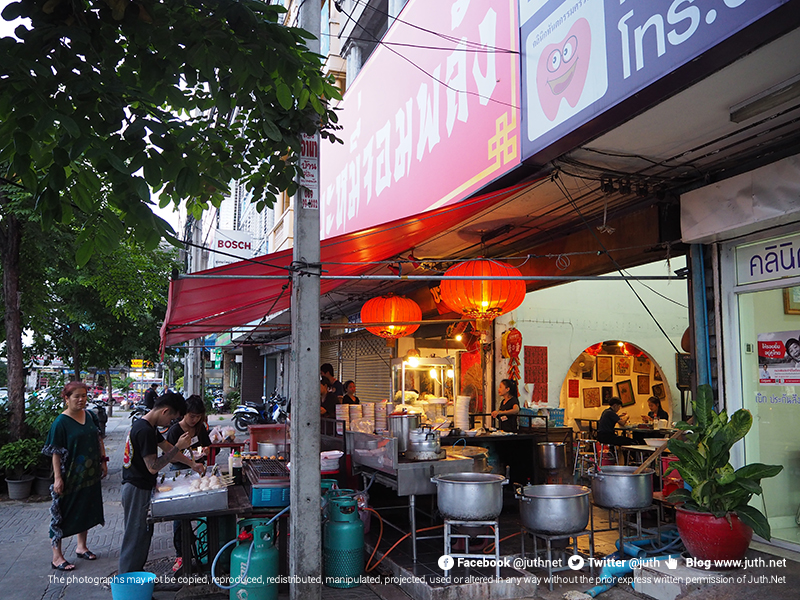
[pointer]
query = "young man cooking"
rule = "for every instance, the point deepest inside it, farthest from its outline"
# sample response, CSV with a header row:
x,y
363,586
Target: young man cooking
x,y
141,465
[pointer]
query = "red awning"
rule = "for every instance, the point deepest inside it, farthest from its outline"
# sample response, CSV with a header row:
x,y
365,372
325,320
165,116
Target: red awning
x,y
199,307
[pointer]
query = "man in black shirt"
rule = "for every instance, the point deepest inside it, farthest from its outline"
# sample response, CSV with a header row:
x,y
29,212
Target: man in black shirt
x,y
150,396
141,465
334,385
608,421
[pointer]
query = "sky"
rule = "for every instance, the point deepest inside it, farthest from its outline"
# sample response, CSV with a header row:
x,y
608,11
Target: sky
x,y
7,29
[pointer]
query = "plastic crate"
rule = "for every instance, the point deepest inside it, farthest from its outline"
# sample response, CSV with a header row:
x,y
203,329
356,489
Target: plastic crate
x,y
556,417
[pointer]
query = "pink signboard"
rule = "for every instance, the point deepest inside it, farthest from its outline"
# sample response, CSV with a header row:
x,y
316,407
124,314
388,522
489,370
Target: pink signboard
x,y
432,117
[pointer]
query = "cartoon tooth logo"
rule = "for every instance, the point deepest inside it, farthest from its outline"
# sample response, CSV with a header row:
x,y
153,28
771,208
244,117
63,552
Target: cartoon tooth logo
x,y
562,69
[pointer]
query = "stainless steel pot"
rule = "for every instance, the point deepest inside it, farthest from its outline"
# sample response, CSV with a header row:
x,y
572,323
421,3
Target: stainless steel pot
x,y
470,496
400,426
424,444
618,487
554,509
551,455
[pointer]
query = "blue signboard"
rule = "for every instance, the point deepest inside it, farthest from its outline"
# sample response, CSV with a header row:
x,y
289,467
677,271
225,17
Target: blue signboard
x,y
581,57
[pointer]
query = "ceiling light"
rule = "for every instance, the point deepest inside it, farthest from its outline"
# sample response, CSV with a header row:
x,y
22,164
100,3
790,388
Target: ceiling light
x,y
766,100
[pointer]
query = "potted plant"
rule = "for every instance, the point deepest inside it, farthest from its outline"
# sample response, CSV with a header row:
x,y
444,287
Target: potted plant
x,y
18,459
716,521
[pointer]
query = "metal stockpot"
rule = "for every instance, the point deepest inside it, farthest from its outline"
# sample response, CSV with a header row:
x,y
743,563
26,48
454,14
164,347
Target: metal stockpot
x,y
470,496
618,487
400,426
554,509
424,444
551,455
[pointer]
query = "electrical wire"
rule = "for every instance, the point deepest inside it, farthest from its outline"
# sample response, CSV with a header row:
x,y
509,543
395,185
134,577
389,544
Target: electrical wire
x,y
419,68
616,264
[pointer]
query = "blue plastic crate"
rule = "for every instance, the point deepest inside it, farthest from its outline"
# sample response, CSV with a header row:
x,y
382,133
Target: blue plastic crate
x,y
556,417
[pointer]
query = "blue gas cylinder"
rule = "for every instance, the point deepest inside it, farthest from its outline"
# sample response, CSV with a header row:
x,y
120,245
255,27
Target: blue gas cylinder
x,y
343,544
259,578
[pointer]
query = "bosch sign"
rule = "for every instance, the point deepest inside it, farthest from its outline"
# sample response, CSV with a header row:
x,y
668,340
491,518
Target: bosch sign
x,y
233,244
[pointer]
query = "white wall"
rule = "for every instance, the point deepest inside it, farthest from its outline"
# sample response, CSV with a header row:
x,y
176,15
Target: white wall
x,y
571,317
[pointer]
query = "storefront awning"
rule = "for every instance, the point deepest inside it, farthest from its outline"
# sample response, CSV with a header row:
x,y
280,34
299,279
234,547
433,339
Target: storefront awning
x,y
200,306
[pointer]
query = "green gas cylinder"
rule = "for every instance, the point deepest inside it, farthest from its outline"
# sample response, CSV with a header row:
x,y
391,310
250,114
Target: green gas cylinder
x,y
259,578
343,544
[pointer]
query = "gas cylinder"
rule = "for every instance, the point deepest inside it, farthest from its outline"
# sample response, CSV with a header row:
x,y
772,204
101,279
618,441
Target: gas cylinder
x,y
259,579
343,544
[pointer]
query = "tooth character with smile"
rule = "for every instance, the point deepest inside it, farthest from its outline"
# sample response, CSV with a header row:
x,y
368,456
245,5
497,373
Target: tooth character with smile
x,y
562,69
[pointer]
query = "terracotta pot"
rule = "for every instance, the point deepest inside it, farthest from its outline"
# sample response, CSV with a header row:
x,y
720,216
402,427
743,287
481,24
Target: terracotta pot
x,y
707,537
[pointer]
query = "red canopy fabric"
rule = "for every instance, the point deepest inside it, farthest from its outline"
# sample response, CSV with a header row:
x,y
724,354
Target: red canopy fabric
x,y
199,307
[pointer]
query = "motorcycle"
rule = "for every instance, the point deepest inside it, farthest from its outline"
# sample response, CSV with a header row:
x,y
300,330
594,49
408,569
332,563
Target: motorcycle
x,y
274,410
138,411
98,407
219,403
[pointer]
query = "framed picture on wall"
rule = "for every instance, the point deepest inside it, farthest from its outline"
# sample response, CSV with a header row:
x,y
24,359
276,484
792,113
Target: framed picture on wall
x,y
605,369
643,384
573,388
625,391
591,397
622,365
641,364
606,394
589,374
657,375
658,391
791,300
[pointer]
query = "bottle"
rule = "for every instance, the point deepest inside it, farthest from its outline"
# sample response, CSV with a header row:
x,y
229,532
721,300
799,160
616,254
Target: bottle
x,y
237,467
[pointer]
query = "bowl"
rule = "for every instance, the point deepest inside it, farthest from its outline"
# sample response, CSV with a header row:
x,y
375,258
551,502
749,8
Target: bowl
x,y
656,442
470,433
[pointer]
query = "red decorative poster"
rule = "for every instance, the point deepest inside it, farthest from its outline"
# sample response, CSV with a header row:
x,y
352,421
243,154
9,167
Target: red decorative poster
x,y
574,388
536,371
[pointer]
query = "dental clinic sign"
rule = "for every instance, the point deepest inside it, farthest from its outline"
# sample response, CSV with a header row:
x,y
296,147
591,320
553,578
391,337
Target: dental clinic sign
x,y
765,261
432,117
581,57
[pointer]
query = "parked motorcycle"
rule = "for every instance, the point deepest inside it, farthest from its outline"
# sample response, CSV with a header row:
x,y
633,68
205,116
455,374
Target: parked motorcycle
x,y
98,407
220,403
274,410
138,411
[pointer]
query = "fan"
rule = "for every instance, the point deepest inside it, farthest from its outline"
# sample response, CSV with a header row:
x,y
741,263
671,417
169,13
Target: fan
x,y
583,364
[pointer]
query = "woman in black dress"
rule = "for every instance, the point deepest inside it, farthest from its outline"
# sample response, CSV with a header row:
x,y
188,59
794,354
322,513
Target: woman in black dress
x,y
509,406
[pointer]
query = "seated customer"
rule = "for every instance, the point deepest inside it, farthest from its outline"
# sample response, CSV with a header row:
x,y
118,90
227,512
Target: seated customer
x,y
608,422
656,412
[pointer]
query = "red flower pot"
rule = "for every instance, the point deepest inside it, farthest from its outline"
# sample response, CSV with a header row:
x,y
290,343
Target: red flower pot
x,y
707,537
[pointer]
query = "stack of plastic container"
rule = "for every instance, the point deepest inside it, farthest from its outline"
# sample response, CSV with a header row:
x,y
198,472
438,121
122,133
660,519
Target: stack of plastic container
x,y
355,411
380,416
461,415
342,414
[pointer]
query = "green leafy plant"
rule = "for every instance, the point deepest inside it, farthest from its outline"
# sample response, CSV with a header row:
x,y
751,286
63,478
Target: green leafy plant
x,y
44,407
20,457
703,462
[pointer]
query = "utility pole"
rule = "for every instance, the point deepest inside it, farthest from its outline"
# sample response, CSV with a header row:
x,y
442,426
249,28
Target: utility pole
x,y
305,543
193,376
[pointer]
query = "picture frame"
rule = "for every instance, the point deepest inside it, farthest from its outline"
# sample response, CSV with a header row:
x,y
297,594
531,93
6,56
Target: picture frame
x,y
643,384
658,391
573,389
605,369
641,364
622,365
588,375
606,394
625,392
791,300
657,375
591,397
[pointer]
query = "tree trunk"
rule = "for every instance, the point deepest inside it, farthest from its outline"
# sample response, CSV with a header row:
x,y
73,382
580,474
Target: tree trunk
x,y
76,351
110,392
10,241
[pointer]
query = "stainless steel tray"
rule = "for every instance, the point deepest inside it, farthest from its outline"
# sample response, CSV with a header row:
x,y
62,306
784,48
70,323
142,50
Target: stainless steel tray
x,y
181,500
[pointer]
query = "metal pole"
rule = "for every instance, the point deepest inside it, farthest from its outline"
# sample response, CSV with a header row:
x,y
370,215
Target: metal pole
x,y
305,542
457,277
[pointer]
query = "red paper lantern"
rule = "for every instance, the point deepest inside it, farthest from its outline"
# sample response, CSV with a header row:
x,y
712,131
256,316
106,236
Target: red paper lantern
x,y
387,310
483,299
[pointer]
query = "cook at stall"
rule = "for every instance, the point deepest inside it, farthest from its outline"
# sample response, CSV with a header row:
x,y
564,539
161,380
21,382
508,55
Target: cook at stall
x,y
507,413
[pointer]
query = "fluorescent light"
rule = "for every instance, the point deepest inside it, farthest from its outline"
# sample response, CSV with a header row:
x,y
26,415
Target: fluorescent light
x,y
767,100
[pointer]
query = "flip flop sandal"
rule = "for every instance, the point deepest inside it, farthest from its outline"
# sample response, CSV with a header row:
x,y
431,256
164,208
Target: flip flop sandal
x,y
64,566
88,555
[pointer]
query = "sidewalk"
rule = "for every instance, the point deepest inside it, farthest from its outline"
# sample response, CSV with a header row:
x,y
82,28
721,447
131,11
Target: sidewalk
x,y
25,571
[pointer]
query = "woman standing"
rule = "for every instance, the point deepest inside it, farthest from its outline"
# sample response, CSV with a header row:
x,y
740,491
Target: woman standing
x,y
509,407
79,462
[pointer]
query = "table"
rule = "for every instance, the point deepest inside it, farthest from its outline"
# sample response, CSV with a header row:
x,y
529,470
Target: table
x,y
238,504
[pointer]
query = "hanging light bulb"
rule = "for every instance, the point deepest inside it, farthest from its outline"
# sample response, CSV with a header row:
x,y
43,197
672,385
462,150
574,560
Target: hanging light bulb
x,y
413,361
432,373
451,373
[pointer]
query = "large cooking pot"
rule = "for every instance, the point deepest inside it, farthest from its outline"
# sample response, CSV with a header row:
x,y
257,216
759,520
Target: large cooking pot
x,y
424,444
478,454
551,455
554,509
618,487
470,496
400,426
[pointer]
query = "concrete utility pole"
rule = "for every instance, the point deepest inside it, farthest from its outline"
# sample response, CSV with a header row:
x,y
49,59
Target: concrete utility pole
x,y
305,545
192,380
